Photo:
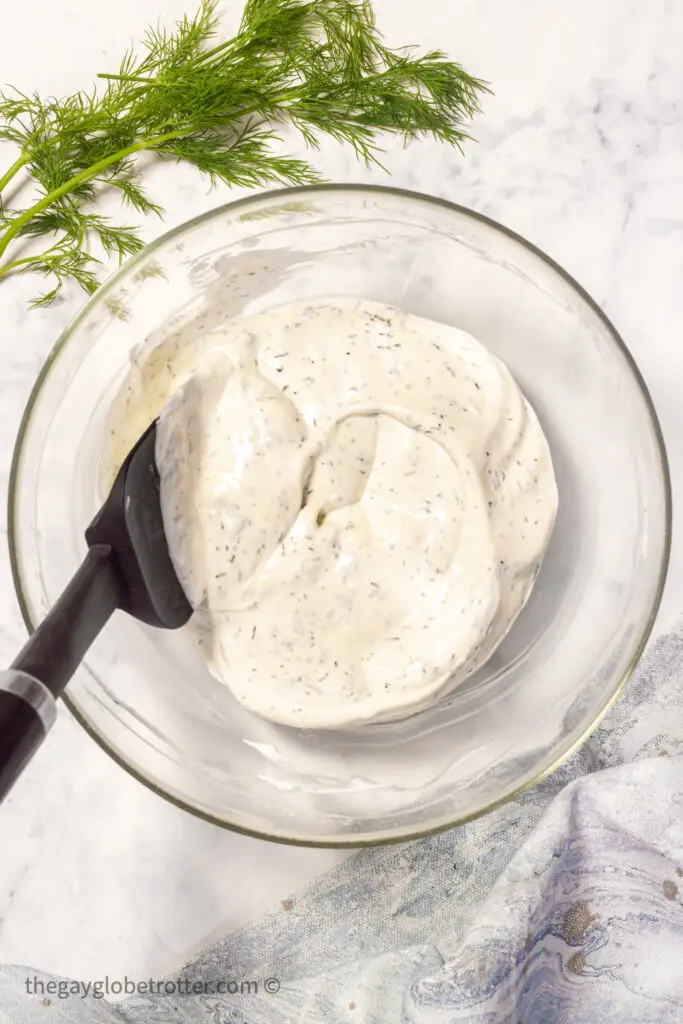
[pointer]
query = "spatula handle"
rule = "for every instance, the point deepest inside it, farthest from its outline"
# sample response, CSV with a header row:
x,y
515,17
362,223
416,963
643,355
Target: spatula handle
x,y
56,648
51,655
27,713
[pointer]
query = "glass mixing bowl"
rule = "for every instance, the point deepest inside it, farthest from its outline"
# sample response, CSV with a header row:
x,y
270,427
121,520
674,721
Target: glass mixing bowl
x,y
146,697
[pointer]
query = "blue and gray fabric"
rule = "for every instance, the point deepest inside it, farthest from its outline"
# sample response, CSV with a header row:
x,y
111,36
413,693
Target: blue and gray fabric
x,y
562,908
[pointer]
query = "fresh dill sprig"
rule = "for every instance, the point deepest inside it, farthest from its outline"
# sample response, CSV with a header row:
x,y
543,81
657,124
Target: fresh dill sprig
x,y
318,65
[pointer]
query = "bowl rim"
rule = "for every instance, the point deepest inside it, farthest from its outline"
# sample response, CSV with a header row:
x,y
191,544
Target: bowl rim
x,y
300,192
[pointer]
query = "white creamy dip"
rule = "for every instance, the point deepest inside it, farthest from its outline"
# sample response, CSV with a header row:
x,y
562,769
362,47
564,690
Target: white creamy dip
x,y
356,500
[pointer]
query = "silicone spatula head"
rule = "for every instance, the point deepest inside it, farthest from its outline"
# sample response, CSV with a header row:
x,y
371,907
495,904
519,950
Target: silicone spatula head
x,y
131,523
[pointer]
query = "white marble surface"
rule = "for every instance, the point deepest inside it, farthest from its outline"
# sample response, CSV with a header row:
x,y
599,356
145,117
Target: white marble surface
x,y
581,151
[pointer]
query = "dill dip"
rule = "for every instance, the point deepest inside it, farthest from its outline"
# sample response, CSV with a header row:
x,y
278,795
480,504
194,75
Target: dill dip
x,y
357,502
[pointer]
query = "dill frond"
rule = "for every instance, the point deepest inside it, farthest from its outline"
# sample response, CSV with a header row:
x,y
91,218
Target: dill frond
x,y
317,65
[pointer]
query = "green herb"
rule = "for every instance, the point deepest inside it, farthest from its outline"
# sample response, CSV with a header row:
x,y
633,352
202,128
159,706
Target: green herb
x,y
318,65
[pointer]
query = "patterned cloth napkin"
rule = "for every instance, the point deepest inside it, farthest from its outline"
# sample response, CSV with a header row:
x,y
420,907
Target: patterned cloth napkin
x,y
563,907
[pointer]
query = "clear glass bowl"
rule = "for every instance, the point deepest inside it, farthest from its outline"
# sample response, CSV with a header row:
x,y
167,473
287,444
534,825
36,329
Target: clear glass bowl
x,y
147,698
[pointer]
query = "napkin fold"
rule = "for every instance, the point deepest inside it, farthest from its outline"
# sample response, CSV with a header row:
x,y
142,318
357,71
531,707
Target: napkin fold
x,y
564,906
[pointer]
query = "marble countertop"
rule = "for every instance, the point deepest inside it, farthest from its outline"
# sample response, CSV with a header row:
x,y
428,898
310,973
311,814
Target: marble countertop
x,y
581,151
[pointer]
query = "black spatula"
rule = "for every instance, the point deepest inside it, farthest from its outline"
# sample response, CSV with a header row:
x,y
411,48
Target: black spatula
x,y
127,567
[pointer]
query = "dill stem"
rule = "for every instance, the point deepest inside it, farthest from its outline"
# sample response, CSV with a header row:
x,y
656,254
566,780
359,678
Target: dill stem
x,y
7,267
12,171
90,172
203,58
283,97
128,78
